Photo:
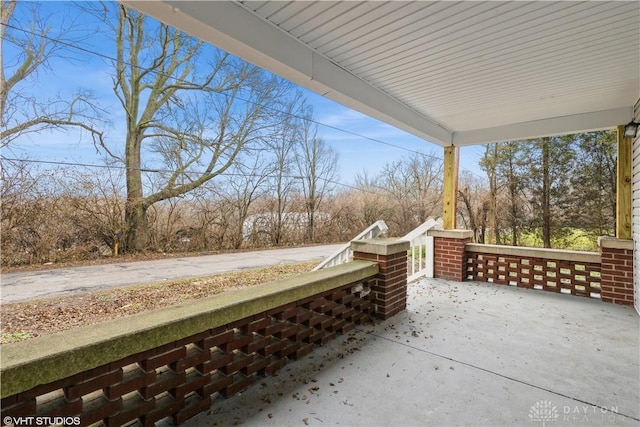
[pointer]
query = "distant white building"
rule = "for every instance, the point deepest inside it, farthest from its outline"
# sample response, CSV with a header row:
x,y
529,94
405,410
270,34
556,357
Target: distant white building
x,y
257,227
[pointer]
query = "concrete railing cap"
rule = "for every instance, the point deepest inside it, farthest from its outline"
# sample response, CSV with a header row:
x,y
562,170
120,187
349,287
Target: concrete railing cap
x,y
380,246
615,243
550,254
451,234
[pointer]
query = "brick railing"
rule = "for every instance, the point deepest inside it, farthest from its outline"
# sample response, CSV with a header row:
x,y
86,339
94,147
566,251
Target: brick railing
x,y
617,270
390,285
170,362
449,253
570,272
607,274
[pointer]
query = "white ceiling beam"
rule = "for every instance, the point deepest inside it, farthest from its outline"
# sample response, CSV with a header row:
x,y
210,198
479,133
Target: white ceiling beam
x,y
236,30
546,127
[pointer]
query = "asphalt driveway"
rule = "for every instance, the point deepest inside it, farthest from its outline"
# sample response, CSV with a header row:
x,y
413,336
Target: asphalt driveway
x,y
23,286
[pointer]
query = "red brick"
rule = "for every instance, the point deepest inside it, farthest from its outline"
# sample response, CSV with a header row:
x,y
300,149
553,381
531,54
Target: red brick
x,y
272,348
193,406
194,357
259,364
217,339
218,359
291,330
303,316
257,325
337,310
240,383
194,381
338,325
347,313
165,381
274,328
348,327
133,379
23,408
303,334
314,337
364,257
239,362
275,365
165,405
622,291
239,324
238,342
133,406
163,359
134,358
196,338
41,389
258,343
85,387
327,322
303,351
315,320
218,383
292,347
8,401
98,408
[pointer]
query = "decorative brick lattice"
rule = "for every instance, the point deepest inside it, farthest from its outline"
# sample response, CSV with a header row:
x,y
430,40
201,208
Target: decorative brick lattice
x,y
568,277
179,379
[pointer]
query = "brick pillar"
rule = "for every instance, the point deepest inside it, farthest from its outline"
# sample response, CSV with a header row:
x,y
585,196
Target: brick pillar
x,y
617,270
390,284
450,261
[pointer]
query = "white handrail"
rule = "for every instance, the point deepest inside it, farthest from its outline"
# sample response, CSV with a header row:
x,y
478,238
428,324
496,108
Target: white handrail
x,y
344,254
420,251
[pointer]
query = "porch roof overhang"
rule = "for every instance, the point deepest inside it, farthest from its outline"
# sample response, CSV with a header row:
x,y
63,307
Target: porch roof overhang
x,y
453,73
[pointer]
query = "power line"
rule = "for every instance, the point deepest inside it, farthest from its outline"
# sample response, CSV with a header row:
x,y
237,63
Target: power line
x,y
311,120
157,72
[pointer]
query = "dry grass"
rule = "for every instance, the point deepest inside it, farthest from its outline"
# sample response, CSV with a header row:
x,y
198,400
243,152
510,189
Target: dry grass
x,y
30,319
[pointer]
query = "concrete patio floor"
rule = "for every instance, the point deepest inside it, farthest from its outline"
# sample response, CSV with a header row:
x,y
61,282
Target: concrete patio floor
x,y
461,354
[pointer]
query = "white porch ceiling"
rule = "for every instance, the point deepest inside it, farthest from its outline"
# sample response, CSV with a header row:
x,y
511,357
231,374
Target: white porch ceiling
x,y
451,72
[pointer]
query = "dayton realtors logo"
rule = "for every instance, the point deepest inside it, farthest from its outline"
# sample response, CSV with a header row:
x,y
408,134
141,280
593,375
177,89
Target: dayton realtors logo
x,y
543,411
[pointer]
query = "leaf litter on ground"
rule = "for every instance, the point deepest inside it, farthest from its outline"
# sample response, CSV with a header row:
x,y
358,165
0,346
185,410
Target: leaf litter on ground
x,y
30,319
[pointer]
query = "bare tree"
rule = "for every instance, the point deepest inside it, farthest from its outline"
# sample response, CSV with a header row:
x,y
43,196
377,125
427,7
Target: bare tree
x,y
369,204
414,187
241,188
282,181
32,45
474,206
97,202
19,186
193,125
35,224
317,165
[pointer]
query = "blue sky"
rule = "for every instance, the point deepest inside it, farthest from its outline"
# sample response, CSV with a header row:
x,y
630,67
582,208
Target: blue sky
x,y
356,153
